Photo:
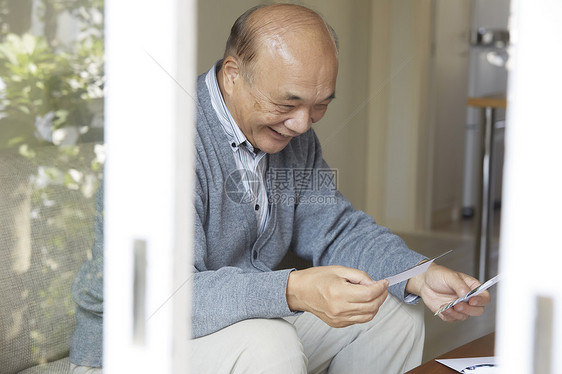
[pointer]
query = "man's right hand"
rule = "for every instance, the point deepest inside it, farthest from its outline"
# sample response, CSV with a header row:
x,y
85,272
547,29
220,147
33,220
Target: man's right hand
x,y
338,295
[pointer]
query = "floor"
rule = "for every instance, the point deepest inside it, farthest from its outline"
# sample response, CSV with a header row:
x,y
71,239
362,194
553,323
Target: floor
x,y
460,236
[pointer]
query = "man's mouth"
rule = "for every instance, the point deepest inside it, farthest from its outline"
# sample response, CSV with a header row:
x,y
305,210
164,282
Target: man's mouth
x,y
278,133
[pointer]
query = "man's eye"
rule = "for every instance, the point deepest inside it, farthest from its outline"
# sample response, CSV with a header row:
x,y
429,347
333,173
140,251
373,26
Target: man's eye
x,y
286,108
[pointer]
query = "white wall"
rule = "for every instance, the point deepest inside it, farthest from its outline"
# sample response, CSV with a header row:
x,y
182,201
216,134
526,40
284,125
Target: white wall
x,y
398,117
449,77
215,18
343,131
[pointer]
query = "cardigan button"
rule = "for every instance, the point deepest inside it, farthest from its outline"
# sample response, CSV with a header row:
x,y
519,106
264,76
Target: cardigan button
x,y
257,207
255,255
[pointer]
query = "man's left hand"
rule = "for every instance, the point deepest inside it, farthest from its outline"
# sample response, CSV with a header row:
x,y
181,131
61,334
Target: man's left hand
x,y
440,285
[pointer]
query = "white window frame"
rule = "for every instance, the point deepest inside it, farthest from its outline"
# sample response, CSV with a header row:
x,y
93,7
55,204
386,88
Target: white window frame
x,y
150,68
529,319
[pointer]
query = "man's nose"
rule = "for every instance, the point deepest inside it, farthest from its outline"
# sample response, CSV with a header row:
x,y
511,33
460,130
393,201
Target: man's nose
x,y
300,122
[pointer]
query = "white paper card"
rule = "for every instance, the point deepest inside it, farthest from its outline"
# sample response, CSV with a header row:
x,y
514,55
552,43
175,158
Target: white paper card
x,y
471,365
412,272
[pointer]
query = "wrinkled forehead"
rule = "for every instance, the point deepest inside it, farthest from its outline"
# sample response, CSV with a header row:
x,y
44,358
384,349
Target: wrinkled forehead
x,y
285,76
303,52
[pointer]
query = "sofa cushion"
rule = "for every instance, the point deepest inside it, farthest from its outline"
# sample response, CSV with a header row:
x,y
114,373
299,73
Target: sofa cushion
x,y
56,367
46,231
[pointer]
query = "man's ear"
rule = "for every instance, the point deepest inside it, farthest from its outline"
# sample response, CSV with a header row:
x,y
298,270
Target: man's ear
x,y
230,73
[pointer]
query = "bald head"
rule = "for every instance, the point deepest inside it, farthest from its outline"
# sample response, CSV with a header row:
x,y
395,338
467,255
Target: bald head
x,y
277,28
278,74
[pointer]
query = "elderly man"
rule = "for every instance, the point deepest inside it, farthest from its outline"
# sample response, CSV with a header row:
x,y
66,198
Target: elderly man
x,y
262,189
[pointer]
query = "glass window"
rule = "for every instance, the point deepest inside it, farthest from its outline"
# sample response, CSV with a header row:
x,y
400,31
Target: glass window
x,y
51,158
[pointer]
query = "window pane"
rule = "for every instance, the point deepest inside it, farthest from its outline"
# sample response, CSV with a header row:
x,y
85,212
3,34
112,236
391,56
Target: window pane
x,y
51,158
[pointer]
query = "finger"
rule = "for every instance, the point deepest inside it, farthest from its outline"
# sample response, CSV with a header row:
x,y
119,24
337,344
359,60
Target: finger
x,y
365,305
472,311
348,314
482,299
460,285
363,318
355,276
357,313
357,293
452,314
470,281
352,320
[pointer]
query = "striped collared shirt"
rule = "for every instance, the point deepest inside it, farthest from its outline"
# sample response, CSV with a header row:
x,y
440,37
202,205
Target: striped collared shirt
x,y
253,165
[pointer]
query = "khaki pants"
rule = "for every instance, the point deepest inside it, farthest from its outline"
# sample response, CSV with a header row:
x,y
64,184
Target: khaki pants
x,y
391,343
74,369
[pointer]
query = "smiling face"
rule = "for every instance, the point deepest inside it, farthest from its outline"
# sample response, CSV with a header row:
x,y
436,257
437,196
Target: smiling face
x,y
293,81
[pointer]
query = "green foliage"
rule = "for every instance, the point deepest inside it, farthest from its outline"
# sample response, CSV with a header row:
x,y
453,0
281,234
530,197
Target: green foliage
x,y
37,83
49,86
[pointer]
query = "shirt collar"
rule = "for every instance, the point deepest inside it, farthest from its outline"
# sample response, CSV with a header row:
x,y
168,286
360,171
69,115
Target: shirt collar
x,y
235,136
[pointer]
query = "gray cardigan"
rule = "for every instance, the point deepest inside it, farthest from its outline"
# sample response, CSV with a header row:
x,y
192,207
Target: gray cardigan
x,y
234,277
234,267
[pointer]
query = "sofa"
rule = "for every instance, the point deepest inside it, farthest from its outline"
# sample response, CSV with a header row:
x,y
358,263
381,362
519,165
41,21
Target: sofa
x,y
47,206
